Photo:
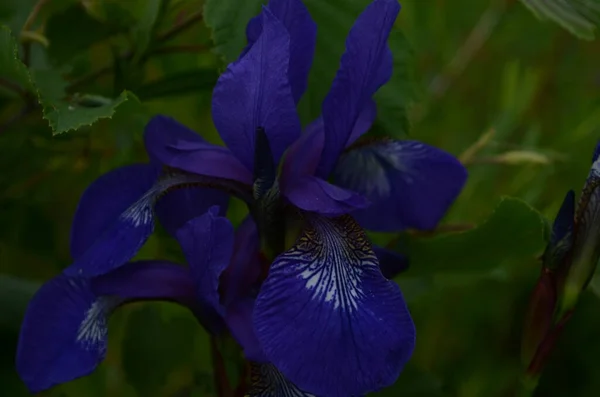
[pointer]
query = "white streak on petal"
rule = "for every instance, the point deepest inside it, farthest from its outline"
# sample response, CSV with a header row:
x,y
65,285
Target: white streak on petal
x,y
93,329
331,257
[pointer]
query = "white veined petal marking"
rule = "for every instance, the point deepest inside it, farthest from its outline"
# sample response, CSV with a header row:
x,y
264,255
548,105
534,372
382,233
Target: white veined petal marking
x,y
93,329
267,381
141,212
331,256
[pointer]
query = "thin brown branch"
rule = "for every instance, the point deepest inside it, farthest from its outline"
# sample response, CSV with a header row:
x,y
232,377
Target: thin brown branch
x,y
165,36
178,49
9,85
179,27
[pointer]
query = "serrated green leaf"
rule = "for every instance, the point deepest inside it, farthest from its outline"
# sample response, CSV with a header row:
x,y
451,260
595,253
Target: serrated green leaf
x,y
13,72
514,231
334,18
580,17
65,113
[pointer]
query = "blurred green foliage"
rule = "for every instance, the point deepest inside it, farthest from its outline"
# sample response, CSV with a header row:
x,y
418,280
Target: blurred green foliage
x,y
515,97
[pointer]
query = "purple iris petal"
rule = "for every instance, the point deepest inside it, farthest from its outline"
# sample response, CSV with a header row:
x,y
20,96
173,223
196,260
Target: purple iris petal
x,y
125,234
171,143
365,66
267,381
302,158
410,184
64,332
327,297
244,269
113,220
207,243
255,92
391,263
561,238
177,207
313,194
303,35
105,200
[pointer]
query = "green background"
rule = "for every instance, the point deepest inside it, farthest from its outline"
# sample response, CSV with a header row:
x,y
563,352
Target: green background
x,y
464,71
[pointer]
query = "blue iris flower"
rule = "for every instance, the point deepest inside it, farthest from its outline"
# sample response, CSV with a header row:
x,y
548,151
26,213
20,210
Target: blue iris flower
x,y
320,313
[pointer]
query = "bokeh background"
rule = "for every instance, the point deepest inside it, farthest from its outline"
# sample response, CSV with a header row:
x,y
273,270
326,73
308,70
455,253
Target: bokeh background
x,y
515,97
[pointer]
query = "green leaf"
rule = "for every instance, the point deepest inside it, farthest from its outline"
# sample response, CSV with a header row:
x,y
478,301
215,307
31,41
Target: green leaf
x,y
334,18
144,29
187,82
580,17
70,112
153,347
13,73
514,231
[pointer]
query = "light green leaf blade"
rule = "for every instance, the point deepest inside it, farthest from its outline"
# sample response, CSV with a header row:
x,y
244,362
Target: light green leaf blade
x,y
13,72
514,231
580,17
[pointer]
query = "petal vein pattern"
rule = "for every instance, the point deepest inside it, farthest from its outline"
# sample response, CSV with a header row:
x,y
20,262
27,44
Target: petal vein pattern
x,y
322,259
328,295
93,330
267,381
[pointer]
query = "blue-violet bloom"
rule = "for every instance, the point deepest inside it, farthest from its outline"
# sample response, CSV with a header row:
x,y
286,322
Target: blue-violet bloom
x,y
320,314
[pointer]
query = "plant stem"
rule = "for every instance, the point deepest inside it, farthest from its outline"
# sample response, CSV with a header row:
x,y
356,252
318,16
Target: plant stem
x,y
161,38
27,27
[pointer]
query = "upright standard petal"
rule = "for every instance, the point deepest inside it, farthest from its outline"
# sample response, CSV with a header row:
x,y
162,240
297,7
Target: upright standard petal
x,y
267,381
327,297
303,36
302,158
313,194
64,332
365,66
255,92
207,243
173,144
410,184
